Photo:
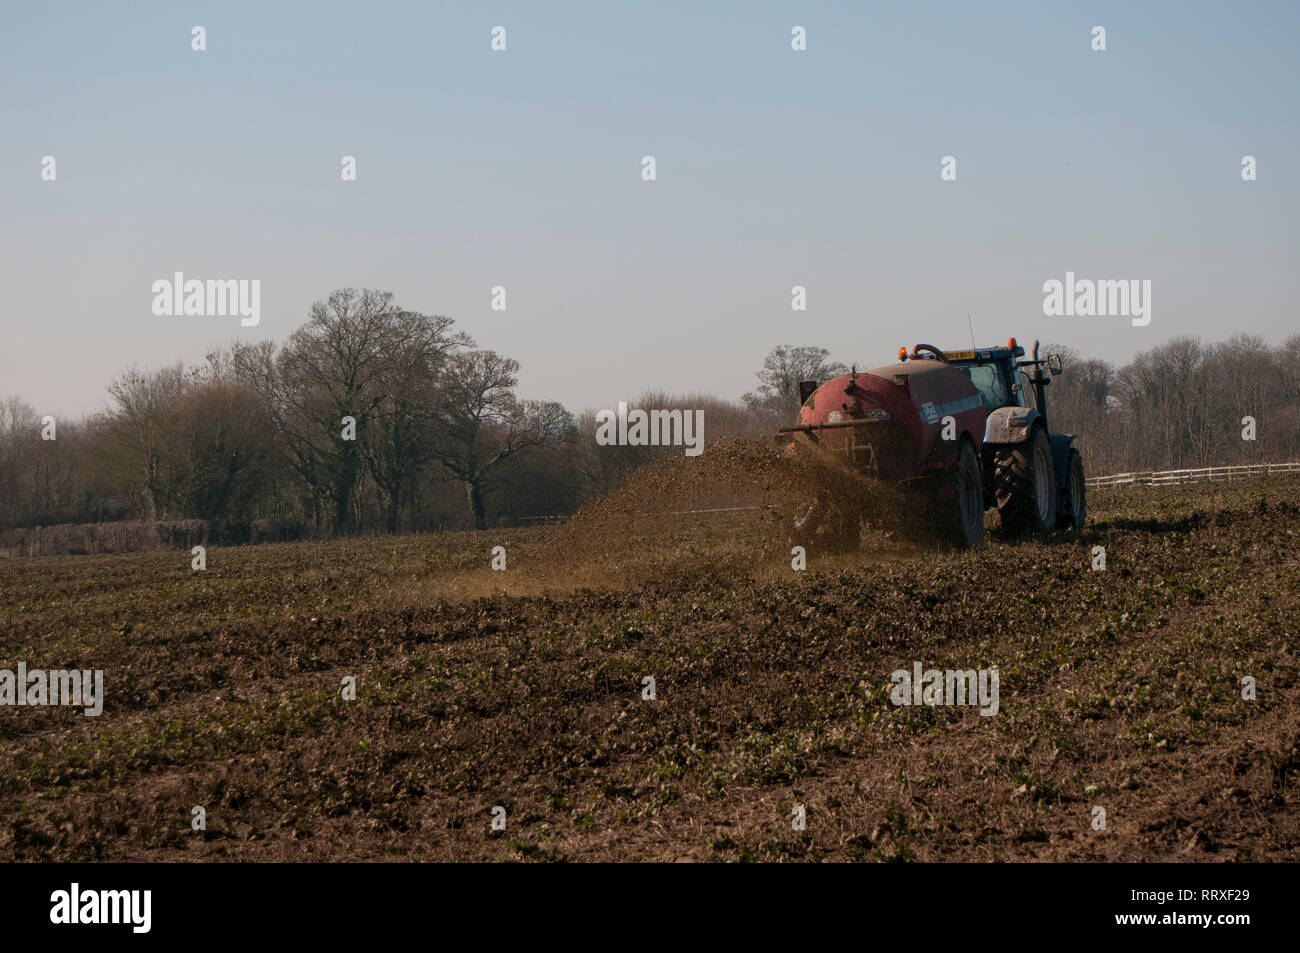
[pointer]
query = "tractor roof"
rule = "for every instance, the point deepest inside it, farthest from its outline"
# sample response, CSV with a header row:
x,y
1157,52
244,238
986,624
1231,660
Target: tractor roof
x,y
985,354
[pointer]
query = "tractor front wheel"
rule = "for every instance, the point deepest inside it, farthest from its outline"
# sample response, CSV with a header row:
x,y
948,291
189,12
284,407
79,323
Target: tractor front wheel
x,y
1025,485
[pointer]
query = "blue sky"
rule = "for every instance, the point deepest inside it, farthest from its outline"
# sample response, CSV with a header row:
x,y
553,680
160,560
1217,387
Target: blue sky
x,y
522,168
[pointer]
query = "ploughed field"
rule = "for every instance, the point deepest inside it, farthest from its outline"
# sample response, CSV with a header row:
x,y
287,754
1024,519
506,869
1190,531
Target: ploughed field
x,y
1119,689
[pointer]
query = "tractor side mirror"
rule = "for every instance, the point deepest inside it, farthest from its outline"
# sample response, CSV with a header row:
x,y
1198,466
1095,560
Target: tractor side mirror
x,y
1054,364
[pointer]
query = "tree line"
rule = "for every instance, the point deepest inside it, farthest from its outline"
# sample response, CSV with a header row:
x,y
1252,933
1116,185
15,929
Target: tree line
x,y
1183,404
373,418
368,418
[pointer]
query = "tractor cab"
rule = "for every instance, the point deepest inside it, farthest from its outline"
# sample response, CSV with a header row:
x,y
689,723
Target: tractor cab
x,y
993,372
997,374
1020,453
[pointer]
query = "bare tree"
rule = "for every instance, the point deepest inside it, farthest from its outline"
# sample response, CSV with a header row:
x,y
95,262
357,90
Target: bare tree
x,y
1164,400
481,422
229,451
1244,380
359,356
141,434
783,368
19,429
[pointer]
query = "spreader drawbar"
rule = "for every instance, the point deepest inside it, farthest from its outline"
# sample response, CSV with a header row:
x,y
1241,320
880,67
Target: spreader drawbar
x,y
809,428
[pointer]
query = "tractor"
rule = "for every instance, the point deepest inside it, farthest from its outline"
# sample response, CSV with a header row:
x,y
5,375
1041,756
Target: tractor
x,y
968,429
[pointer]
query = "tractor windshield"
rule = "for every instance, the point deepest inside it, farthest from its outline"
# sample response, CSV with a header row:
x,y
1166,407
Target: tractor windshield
x,y
989,380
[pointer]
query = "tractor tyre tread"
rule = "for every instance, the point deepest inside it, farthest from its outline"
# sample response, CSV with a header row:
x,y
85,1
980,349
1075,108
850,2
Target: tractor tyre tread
x,y
1066,519
1013,485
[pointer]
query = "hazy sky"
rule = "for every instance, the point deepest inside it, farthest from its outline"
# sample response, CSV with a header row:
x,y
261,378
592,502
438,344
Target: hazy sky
x,y
522,168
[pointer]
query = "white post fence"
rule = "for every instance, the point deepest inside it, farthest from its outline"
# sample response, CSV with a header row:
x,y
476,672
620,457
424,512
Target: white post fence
x,y
1162,477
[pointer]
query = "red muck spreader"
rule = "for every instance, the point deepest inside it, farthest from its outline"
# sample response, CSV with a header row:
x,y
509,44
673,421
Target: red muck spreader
x,y
968,429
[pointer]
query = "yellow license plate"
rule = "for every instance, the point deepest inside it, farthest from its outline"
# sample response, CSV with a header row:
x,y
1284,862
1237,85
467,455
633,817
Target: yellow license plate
x,y
959,355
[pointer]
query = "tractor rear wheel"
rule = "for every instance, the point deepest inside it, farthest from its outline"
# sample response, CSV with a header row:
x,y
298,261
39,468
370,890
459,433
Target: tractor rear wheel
x,y
967,513
1025,485
1074,503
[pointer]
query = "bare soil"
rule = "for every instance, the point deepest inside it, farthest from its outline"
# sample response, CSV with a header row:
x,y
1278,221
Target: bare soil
x,y
1119,689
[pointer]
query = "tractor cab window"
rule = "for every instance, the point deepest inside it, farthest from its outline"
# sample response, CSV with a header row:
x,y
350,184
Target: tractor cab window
x,y
1028,396
991,384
